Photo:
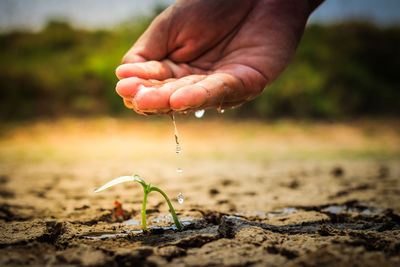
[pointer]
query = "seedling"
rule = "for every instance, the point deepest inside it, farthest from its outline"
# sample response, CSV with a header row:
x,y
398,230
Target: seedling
x,y
147,188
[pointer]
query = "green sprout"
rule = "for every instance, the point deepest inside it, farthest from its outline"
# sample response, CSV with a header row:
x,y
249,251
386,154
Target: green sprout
x,y
147,188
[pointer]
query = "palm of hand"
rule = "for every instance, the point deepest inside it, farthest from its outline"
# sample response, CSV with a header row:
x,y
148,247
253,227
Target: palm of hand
x,y
193,57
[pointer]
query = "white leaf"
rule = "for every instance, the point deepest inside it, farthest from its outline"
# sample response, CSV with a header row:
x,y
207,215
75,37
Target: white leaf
x,y
115,181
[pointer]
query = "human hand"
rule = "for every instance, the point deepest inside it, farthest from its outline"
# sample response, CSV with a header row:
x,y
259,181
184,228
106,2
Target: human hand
x,y
210,54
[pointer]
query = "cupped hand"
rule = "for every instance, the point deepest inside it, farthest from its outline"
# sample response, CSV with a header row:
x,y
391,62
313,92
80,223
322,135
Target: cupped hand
x,y
210,53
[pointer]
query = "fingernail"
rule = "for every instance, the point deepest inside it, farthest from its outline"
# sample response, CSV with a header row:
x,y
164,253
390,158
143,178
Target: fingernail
x,y
117,72
136,108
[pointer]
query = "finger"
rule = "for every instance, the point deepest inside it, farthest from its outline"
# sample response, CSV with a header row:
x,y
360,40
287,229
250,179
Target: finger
x,y
253,81
128,88
145,70
128,103
156,100
152,44
132,57
209,92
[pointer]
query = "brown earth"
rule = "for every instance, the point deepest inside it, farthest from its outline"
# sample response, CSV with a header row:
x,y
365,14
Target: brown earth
x,y
256,194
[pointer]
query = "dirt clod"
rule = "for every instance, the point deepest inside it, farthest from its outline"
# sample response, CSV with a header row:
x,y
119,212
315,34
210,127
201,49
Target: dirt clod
x,y
213,192
274,219
337,171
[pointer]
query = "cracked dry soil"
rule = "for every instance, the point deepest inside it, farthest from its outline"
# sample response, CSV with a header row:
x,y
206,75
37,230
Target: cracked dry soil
x,y
298,214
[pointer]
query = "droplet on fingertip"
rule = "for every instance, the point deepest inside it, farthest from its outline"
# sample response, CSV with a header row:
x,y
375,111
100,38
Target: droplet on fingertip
x,y
199,113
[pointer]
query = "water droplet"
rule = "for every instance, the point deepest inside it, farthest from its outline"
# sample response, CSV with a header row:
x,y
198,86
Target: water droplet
x,y
178,149
199,113
220,109
179,170
181,198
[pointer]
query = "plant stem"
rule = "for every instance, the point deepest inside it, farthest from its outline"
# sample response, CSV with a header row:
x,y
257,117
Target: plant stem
x,y
144,226
146,191
171,208
147,188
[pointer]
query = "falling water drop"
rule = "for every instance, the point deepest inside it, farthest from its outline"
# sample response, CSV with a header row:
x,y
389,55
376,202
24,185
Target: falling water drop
x,y
220,110
199,113
181,198
178,148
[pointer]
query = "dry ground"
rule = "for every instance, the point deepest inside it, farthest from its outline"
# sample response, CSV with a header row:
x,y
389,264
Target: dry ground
x,y
262,194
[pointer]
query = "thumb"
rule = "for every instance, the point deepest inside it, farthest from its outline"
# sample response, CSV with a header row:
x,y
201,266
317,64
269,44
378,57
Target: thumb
x,y
152,44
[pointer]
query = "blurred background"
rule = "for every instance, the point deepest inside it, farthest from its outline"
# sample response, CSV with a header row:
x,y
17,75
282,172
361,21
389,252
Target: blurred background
x,y
58,58
57,62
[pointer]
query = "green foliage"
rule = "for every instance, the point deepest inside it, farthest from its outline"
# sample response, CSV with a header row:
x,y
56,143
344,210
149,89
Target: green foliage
x,y
62,71
339,71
